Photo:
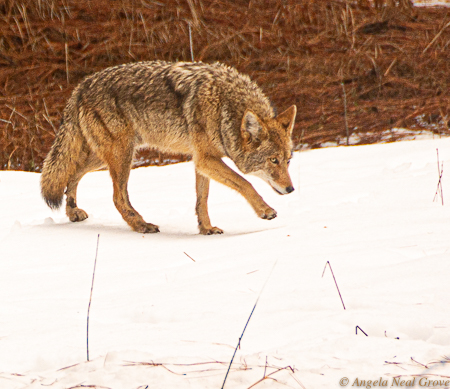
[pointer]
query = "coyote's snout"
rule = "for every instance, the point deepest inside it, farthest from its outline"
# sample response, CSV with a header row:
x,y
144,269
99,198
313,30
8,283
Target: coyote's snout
x,y
205,111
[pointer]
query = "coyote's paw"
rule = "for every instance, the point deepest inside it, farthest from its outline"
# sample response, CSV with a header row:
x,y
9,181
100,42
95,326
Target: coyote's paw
x,y
268,214
146,228
77,215
211,231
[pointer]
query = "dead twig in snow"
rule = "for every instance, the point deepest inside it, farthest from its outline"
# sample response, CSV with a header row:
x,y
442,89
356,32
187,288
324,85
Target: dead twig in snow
x,y
188,256
89,386
90,300
269,376
360,330
439,189
246,324
337,287
421,364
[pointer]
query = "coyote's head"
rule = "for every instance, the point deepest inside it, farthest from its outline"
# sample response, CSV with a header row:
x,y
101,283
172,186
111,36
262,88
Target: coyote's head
x,y
267,148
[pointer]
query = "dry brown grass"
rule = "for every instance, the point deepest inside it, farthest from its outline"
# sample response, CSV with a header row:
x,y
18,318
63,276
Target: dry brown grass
x,y
393,61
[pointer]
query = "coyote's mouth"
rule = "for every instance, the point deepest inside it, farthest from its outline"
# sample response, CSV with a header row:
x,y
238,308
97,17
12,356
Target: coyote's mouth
x,y
276,187
287,190
276,190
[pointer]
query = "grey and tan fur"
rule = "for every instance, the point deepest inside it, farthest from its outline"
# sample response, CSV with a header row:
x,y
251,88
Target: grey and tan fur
x,y
207,111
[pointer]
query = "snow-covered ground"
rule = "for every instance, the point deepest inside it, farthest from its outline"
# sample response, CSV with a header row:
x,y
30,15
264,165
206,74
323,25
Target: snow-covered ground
x,y
431,3
168,309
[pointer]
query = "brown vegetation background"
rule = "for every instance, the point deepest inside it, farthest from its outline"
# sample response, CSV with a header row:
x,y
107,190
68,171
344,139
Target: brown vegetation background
x,y
358,66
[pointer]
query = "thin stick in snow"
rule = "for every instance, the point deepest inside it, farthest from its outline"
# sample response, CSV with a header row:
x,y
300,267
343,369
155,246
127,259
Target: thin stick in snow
x,y
439,186
188,256
337,287
90,299
265,368
360,330
290,369
246,324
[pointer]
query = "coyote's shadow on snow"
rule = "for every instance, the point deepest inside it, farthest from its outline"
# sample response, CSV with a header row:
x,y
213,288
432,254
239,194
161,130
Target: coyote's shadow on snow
x,y
117,227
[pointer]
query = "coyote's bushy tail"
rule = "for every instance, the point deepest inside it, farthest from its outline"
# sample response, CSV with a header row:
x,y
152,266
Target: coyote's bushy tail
x,y
60,164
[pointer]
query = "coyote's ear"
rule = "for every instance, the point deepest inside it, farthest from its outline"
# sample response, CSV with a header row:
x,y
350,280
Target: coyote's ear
x,y
251,126
287,119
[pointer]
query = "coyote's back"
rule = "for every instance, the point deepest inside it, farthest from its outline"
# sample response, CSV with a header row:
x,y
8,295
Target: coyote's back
x,y
205,111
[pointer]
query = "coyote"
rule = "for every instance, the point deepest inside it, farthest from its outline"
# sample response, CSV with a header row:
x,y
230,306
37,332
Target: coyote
x,y
207,111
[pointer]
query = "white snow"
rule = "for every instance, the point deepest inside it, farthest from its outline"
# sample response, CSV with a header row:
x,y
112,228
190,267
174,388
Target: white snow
x,y
160,320
431,3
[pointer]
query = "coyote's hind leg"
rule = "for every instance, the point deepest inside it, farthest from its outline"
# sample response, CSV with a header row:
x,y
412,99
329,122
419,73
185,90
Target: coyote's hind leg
x,y
87,163
119,160
74,213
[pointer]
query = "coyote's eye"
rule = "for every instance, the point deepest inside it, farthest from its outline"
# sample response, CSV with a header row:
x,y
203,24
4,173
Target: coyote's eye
x,y
274,161
289,161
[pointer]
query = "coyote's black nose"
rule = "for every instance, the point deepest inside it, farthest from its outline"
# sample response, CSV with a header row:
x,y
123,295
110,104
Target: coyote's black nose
x,y
290,189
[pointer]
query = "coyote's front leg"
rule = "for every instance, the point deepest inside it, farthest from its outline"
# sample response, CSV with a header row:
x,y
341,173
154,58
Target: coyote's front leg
x,y
216,169
201,208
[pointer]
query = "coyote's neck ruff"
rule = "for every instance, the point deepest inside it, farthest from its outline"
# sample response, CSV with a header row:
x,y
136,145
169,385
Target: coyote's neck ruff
x,y
207,111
